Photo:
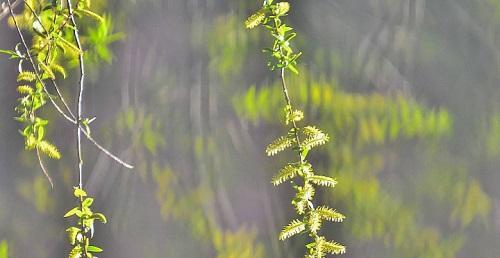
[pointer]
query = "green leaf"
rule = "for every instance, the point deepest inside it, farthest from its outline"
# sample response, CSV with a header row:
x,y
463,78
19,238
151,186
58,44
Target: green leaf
x,y
48,149
315,137
72,234
282,8
87,202
333,247
255,19
12,54
69,45
91,15
314,221
48,72
76,252
322,180
78,192
57,68
25,89
279,145
26,76
303,198
288,172
100,216
94,249
74,211
330,214
292,68
295,227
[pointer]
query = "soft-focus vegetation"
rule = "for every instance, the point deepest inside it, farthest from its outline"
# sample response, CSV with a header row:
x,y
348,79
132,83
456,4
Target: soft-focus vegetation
x,y
407,91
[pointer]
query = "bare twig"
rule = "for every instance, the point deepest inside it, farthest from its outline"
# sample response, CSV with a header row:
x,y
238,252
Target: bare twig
x,y
43,168
80,93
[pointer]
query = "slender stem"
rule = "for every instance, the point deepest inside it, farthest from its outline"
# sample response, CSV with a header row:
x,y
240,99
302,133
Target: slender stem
x,y
81,86
79,117
289,103
43,168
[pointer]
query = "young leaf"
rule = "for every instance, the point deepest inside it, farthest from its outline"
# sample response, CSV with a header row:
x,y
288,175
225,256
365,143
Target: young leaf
x,y
87,202
49,149
288,172
57,68
72,212
282,8
78,192
255,19
91,14
279,145
330,214
100,216
333,248
295,227
315,137
94,249
26,76
314,221
72,233
322,180
25,89
50,74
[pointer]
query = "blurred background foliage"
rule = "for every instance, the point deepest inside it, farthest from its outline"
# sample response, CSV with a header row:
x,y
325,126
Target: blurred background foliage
x,y
408,90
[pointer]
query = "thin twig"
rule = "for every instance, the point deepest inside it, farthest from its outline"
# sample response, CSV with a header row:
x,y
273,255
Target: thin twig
x,y
43,168
289,103
79,116
81,86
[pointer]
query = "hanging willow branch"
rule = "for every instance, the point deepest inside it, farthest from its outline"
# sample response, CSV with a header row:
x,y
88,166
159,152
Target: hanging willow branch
x,y
299,139
51,24
48,29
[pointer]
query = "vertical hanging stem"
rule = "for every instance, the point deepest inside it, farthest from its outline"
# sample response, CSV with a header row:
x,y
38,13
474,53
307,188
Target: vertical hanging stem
x,y
80,94
79,117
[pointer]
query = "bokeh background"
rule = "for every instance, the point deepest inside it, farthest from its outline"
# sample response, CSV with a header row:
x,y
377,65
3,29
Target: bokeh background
x,y
408,90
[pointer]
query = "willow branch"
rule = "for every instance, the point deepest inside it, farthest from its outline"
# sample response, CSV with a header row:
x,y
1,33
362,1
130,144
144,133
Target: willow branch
x,y
81,86
69,116
54,84
30,58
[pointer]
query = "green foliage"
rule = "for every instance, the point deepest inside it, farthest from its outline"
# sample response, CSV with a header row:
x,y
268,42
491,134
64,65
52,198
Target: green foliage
x,y
281,53
4,249
79,237
53,46
299,139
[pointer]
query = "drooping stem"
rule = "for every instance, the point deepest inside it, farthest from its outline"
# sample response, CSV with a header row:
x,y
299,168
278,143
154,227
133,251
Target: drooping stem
x,y
81,86
79,101
289,103
67,114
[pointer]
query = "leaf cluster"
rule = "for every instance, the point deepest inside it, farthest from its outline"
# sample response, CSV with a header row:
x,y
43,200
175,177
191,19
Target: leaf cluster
x,y
53,48
307,138
281,53
79,236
